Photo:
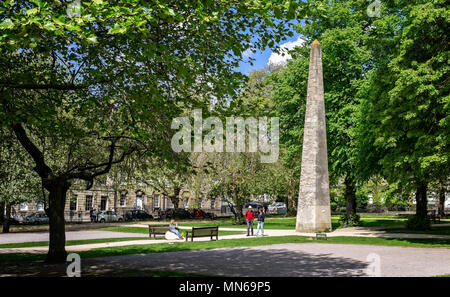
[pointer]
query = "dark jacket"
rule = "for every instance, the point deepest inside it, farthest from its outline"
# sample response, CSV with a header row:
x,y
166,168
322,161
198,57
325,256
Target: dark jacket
x,y
261,217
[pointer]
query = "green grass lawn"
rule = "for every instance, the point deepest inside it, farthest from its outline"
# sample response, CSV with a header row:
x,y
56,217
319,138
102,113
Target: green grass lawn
x,y
139,230
436,230
6,259
289,223
143,230
69,242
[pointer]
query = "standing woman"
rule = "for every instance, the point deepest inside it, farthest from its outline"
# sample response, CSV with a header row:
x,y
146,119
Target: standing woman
x,y
261,217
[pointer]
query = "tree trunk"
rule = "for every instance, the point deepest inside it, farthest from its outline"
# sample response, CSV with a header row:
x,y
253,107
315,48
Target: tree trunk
x,y
2,211
175,198
115,200
57,201
290,204
7,218
350,198
442,191
421,200
293,187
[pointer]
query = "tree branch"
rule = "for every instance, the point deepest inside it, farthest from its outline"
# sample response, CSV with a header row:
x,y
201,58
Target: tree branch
x,y
41,168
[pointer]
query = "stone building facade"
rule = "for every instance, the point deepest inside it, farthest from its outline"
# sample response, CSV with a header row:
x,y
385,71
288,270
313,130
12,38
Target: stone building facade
x,y
80,202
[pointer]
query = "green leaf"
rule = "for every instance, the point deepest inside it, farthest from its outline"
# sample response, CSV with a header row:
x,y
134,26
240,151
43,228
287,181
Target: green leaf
x,y
117,29
32,11
6,24
49,26
92,39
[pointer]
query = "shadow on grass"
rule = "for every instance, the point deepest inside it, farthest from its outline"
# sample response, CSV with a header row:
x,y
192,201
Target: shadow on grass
x,y
277,262
241,260
238,262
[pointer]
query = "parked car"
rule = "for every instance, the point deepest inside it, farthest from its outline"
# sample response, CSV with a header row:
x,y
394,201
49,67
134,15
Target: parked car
x,y
181,213
255,205
37,218
109,216
137,214
12,221
199,213
277,208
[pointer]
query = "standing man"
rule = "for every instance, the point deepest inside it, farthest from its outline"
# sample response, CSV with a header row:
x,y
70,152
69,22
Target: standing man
x,y
91,213
249,216
94,216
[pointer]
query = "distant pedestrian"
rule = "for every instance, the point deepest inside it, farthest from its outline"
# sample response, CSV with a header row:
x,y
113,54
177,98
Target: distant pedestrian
x,y
249,216
261,217
93,216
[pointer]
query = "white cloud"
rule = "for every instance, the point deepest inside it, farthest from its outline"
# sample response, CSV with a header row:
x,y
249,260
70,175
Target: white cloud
x,y
278,59
248,52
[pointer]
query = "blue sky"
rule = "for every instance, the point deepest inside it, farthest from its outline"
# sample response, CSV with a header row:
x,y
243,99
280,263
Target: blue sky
x,y
262,57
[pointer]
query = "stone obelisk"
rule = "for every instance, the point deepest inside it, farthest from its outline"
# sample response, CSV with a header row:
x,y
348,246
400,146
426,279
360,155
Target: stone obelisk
x,y
313,212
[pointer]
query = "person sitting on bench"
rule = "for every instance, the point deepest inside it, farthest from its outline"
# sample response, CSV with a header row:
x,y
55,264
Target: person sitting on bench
x,y
173,228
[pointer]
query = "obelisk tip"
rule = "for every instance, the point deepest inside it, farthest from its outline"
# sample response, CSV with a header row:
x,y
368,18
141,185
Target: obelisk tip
x,y
315,43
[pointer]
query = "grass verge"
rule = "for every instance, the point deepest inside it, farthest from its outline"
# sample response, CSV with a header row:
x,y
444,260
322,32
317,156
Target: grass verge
x,y
435,230
69,242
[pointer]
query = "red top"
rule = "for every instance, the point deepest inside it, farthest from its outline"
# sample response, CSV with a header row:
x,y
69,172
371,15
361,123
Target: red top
x,y
250,215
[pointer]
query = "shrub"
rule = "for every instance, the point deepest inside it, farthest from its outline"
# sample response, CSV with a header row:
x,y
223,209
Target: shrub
x,y
333,206
418,223
238,221
352,221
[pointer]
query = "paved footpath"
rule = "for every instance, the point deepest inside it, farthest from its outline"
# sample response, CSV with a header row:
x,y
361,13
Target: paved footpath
x,y
285,260
83,235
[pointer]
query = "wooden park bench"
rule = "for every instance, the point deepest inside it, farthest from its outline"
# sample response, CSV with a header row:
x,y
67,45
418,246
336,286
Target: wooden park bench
x,y
203,232
157,230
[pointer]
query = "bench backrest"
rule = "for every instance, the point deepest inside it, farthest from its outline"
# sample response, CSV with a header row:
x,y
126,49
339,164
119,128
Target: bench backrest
x,y
158,228
205,231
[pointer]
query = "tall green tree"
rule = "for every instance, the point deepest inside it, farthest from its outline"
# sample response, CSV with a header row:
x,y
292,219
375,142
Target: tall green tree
x,y
341,30
18,182
83,90
407,101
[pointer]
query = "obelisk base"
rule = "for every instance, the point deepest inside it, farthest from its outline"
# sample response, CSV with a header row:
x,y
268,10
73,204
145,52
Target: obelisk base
x,y
314,219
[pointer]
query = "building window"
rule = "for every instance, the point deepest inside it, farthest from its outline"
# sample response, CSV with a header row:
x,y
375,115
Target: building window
x,y
213,203
88,205
156,201
73,203
123,197
170,203
23,206
103,202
